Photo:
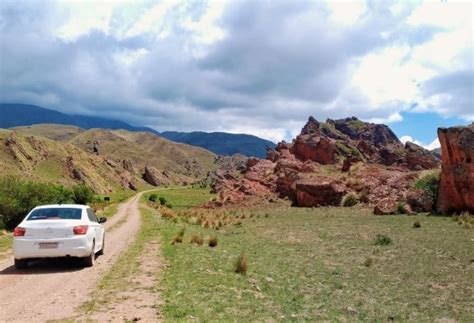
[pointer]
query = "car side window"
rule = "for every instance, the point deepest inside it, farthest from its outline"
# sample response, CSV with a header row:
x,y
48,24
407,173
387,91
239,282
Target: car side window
x,y
91,215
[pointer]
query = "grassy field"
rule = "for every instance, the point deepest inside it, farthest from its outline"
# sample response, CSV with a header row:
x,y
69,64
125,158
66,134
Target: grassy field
x,y
318,264
182,198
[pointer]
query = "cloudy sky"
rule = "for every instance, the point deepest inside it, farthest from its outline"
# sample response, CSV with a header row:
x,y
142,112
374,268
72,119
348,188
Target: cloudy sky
x,y
259,67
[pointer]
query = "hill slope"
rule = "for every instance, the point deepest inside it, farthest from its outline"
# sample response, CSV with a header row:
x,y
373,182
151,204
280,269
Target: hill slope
x,y
103,159
14,115
223,143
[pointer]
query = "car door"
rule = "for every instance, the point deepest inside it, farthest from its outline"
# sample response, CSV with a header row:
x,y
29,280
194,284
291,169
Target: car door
x,y
98,230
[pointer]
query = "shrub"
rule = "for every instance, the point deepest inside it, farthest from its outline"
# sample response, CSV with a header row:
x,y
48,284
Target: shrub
x,y
417,224
197,239
153,197
18,197
213,242
82,194
364,197
401,208
349,200
162,201
241,264
169,206
382,240
430,184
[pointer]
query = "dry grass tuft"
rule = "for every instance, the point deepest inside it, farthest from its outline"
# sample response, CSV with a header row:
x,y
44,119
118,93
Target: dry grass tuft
x,y
197,239
177,239
241,265
213,242
417,224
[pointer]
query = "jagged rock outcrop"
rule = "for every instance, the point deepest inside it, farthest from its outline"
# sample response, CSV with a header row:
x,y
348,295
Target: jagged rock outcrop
x,y
419,158
362,151
456,192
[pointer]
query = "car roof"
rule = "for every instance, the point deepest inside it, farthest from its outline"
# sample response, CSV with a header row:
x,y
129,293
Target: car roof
x,y
75,206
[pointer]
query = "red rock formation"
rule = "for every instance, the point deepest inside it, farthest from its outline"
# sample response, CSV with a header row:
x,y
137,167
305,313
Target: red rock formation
x,y
418,158
456,193
319,190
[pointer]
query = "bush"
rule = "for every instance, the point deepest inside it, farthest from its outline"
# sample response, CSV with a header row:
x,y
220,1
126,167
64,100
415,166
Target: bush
x,y
18,197
82,194
382,240
241,265
430,184
153,197
349,200
417,224
162,201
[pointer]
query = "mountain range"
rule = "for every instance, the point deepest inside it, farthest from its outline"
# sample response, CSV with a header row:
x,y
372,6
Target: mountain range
x,y
14,115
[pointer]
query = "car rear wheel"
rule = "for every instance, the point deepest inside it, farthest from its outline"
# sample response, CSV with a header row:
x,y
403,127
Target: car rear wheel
x,y
89,260
21,263
101,251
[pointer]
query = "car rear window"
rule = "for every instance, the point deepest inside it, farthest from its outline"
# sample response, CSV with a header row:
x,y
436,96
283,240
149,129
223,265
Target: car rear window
x,y
56,213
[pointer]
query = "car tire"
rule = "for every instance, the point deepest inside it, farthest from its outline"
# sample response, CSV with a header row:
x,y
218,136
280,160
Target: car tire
x,y
21,263
101,251
89,260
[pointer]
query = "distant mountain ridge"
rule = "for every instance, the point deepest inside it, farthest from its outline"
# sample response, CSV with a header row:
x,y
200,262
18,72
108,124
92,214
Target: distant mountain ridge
x,y
223,143
15,115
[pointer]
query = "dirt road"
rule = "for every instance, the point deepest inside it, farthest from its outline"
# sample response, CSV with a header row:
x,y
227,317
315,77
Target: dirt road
x,y
52,290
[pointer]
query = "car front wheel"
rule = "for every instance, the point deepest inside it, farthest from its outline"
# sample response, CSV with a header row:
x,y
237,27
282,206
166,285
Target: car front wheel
x,y
89,260
21,263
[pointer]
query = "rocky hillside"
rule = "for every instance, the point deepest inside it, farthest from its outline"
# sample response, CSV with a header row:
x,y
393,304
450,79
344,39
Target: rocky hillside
x,y
329,161
103,159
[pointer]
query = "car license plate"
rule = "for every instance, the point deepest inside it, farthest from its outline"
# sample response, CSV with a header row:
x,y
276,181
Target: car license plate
x,y
48,245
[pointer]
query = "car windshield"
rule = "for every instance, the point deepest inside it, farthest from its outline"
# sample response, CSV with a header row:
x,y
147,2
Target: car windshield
x,y
55,213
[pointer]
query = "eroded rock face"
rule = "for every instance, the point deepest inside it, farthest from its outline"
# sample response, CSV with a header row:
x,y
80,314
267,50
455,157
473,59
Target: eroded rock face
x,y
319,191
418,158
456,193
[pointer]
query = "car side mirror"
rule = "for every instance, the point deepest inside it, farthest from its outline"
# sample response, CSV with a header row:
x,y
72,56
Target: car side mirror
x,y
102,220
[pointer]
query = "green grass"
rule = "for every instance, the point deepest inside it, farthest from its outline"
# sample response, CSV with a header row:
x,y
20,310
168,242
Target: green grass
x,y
5,245
321,264
181,198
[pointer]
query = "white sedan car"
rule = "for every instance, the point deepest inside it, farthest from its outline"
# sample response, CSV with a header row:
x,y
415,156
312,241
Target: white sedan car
x,y
52,231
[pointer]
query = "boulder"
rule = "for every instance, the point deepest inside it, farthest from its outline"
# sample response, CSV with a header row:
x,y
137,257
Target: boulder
x,y
386,206
456,192
319,191
154,177
420,201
